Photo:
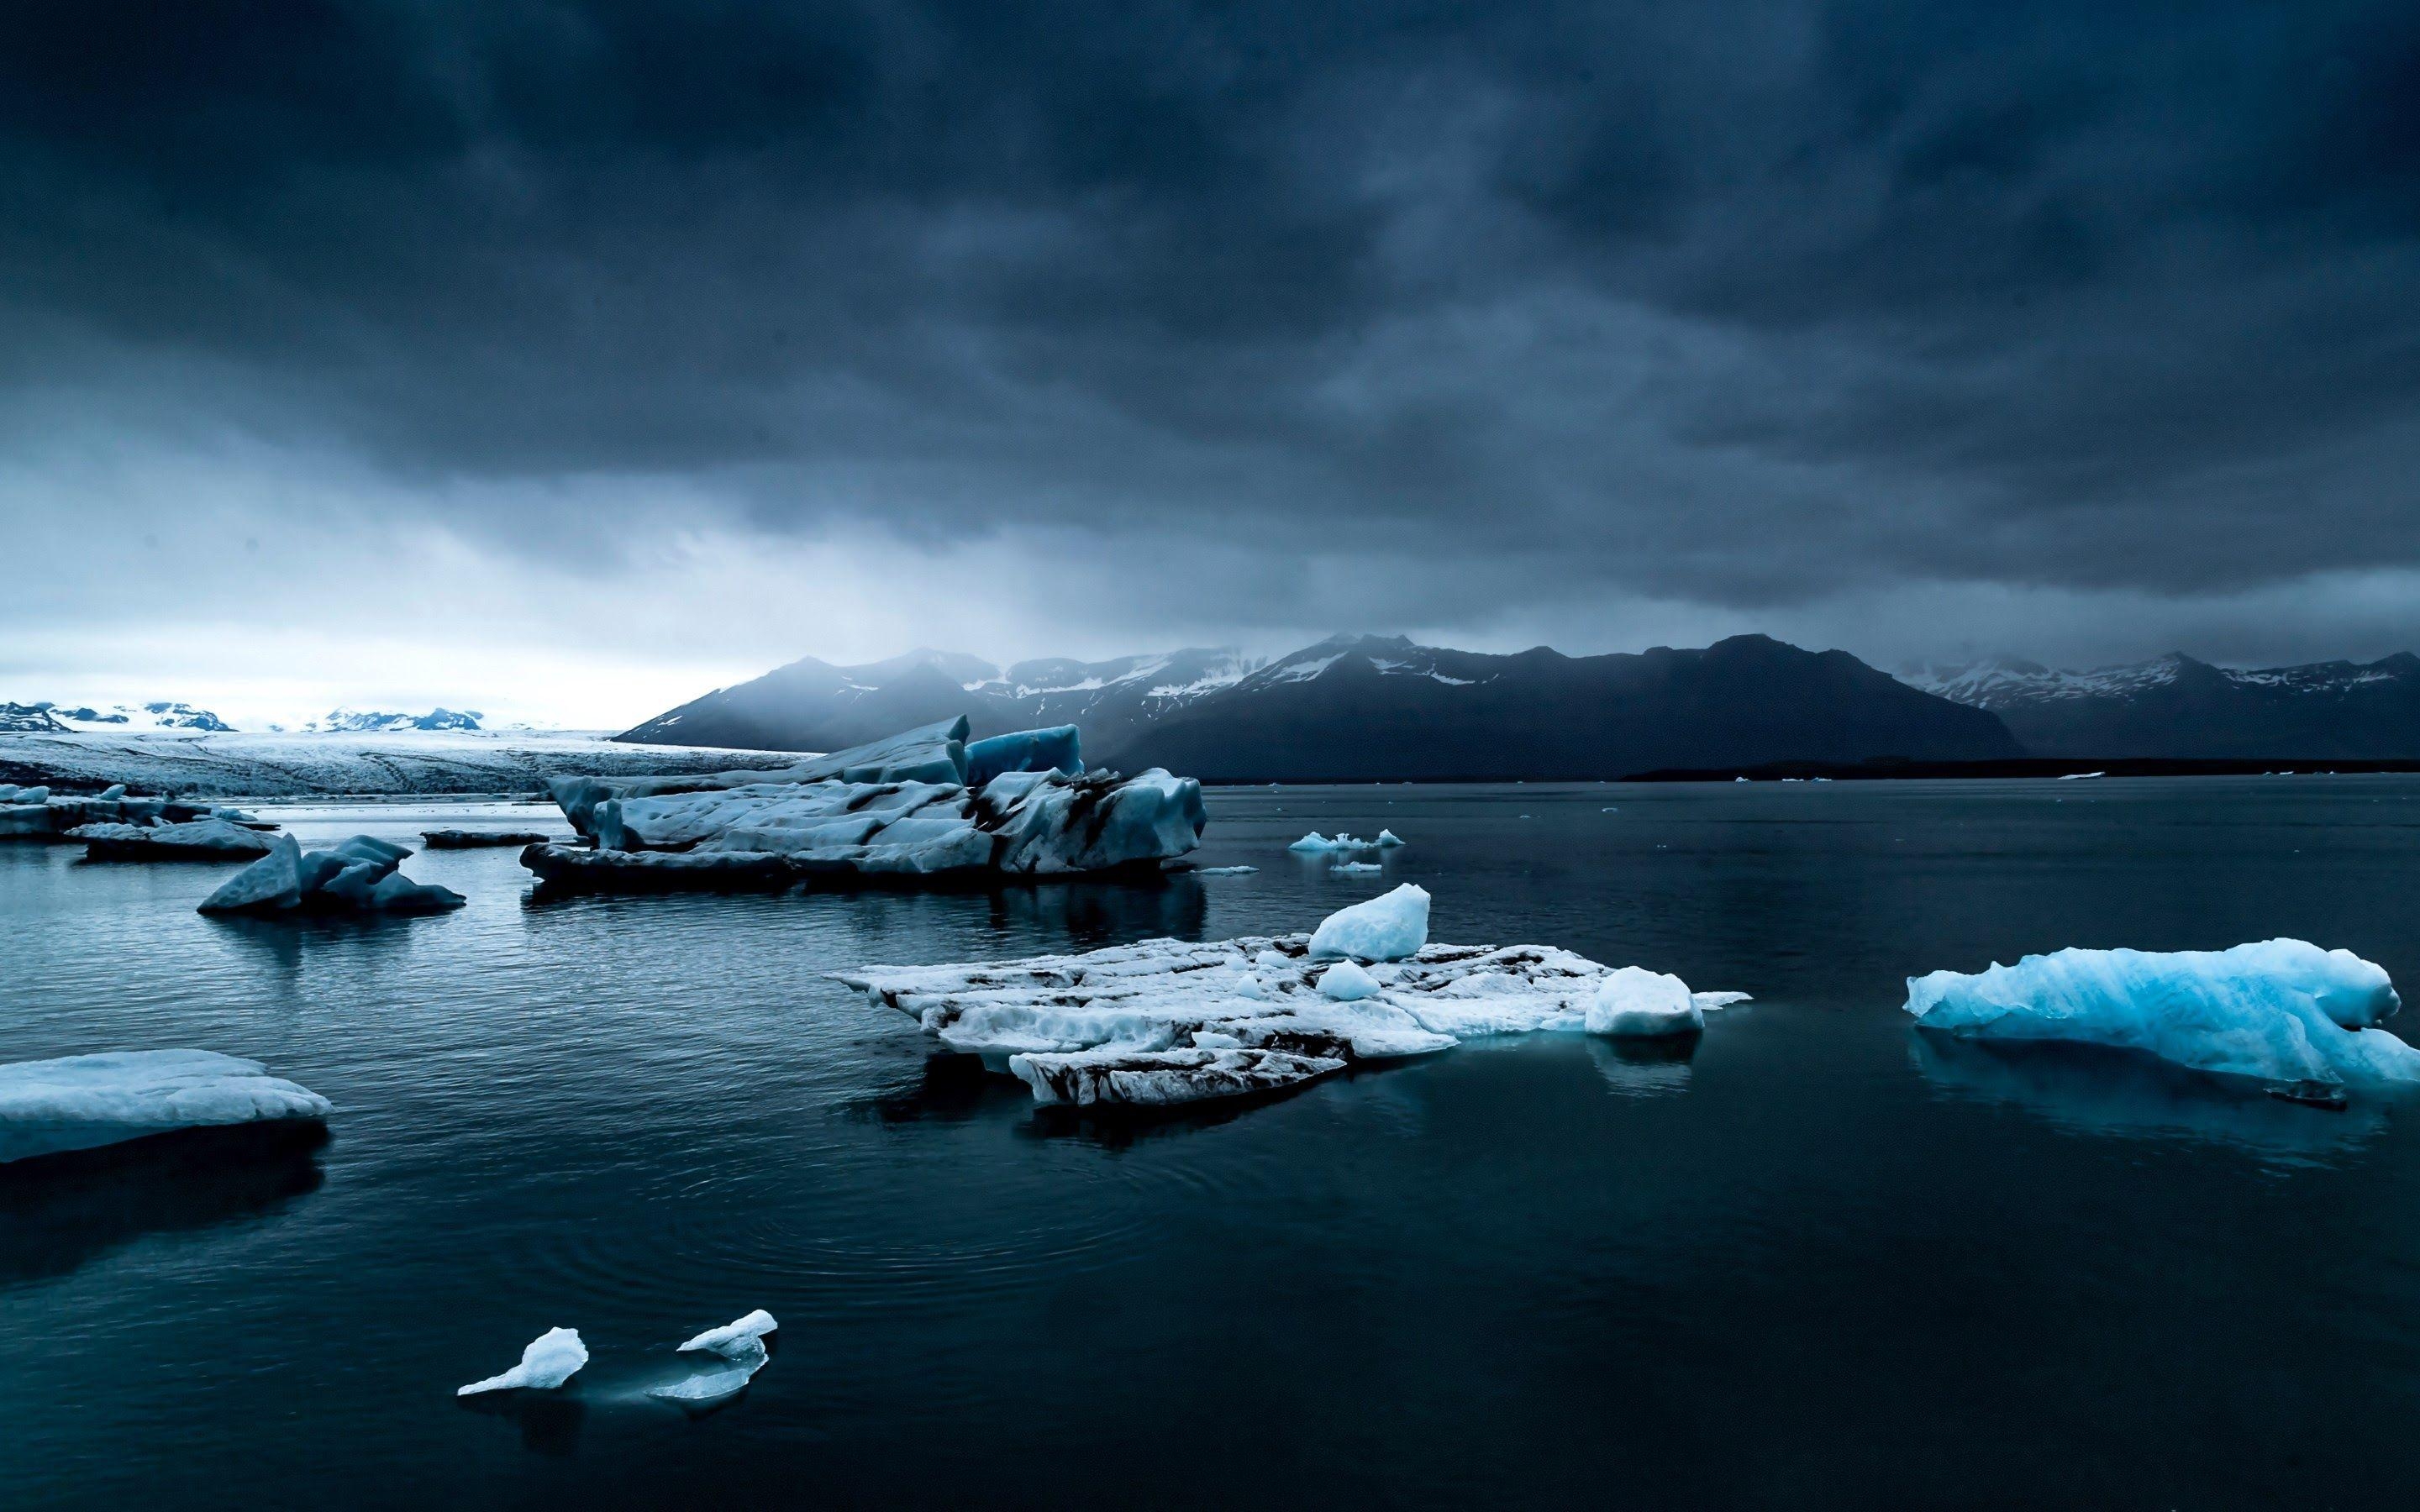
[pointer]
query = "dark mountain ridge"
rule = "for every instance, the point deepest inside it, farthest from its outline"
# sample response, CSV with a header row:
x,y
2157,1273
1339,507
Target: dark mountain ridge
x,y
1370,708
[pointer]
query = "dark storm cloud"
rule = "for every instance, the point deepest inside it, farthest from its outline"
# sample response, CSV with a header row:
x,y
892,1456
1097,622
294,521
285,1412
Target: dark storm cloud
x,y
1727,301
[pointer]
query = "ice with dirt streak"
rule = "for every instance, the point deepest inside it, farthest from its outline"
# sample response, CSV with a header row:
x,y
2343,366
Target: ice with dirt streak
x,y
1171,1021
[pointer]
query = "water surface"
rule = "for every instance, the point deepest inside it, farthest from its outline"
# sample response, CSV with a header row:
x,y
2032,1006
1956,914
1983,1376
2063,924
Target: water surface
x,y
1818,1263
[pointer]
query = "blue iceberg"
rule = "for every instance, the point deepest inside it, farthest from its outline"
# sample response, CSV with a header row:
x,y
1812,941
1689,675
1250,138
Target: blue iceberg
x,y
2279,1011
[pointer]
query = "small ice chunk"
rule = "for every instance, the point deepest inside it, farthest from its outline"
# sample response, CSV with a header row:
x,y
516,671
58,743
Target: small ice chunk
x,y
1386,928
113,793
1389,839
550,1360
1634,1003
2080,776
1346,982
1224,871
1355,868
729,1338
1316,842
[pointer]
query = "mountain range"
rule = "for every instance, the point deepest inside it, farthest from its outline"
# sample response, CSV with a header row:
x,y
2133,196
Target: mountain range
x,y
2178,707
1366,708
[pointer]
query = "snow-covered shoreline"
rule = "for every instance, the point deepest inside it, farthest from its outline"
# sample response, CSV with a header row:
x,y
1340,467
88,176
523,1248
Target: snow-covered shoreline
x,y
262,765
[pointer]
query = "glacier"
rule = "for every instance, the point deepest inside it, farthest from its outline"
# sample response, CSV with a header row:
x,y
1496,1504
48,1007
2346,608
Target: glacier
x,y
2281,1010
903,809
356,875
552,1358
1165,1021
84,1102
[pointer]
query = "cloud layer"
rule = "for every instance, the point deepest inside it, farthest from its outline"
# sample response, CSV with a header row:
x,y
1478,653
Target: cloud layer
x,y
1621,322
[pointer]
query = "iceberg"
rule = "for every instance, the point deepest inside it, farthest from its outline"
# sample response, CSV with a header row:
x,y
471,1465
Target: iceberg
x,y
356,875
1355,868
1167,1022
1635,1004
198,840
551,1359
467,839
1388,840
1036,820
929,753
34,813
2281,1010
1387,928
84,1102
1055,750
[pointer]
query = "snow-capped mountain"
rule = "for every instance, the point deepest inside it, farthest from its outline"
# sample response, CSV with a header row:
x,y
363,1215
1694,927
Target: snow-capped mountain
x,y
364,722
2176,706
47,715
1370,707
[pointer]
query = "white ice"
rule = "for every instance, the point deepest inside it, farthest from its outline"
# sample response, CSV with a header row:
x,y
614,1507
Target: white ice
x,y
1387,928
730,1336
2281,1010
550,1360
1224,871
1388,838
1634,1003
1315,843
1171,1020
1355,868
84,1102
740,1351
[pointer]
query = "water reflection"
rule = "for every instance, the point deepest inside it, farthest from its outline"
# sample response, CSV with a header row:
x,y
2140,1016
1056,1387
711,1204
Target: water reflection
x,y
59,1212
1644,1068
549,1421
2097,1091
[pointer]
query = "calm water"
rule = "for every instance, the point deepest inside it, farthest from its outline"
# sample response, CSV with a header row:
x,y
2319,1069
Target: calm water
x,y
1817,1264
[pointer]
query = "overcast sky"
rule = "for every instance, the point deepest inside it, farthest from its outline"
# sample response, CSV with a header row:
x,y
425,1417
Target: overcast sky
x,y
565,360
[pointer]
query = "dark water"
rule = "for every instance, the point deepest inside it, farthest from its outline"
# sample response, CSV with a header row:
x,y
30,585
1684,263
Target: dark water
x,y
1817,1264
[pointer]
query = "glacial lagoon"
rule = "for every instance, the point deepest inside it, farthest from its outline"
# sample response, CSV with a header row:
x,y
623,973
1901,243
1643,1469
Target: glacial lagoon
x,y
1815,1260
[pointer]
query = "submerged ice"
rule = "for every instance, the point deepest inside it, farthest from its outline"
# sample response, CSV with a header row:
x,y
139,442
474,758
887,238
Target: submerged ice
x,y
1171,1020
738,1351
2280,1010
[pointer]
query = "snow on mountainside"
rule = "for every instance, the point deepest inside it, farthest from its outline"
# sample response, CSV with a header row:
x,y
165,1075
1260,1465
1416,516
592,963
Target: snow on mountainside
x,y
213,765
361,722
2177,707
1372,707
113,717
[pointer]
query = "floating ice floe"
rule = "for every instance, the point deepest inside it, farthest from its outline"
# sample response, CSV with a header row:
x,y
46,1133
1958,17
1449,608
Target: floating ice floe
x,y
1355,868
1170,1022
50,1107
471,839
357,876
2080,776
196,839
1315,844
909,808
552,1358
34,813
2281,1010
741,1352
1224,871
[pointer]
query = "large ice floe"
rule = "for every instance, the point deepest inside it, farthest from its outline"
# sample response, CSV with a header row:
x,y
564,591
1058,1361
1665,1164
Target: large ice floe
x,y
50,1107
1172,1022
2281,1010
919,806
198,840
357,876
